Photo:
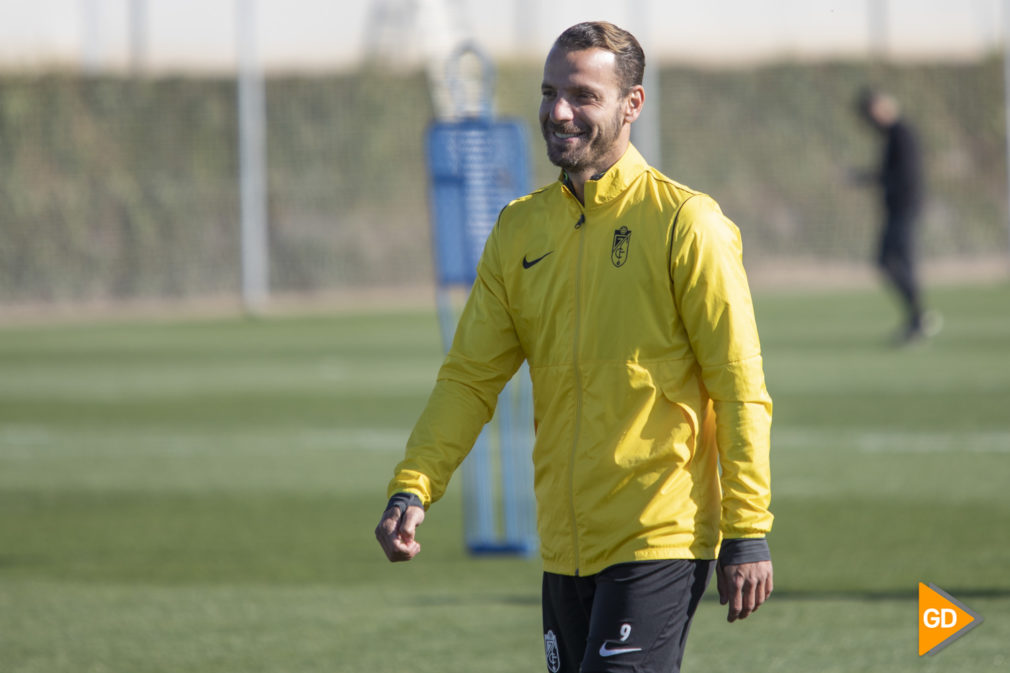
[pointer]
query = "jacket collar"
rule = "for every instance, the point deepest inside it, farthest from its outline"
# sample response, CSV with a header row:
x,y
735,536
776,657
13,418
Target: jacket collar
x,y
615,180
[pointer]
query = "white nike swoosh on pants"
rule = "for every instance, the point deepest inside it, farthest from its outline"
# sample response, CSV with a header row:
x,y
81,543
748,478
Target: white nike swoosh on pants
x,y
607,652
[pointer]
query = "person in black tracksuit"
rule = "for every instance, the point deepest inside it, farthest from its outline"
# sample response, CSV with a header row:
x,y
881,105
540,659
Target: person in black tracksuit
x,y
900,178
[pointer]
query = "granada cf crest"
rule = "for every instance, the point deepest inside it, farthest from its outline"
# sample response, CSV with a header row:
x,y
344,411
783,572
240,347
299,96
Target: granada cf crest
x,y
551,650
622,243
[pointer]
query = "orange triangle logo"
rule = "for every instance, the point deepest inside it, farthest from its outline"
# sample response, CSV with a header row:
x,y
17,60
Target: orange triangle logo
x,y
942,619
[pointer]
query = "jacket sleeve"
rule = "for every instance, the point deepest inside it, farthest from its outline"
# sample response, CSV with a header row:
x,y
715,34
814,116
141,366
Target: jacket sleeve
x,y
484,355
713,297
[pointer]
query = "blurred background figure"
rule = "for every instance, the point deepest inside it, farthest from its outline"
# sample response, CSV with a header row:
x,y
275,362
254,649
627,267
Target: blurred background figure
x,y
900,180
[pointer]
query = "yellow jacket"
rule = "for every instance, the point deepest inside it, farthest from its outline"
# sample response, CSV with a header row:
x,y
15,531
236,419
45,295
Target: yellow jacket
x,y
651,413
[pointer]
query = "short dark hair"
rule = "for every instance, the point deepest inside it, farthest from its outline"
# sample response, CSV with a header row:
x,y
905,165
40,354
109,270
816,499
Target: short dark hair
x,y
865,99
602,35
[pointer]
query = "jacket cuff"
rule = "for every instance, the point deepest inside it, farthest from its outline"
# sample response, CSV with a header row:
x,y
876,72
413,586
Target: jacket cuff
x,y
403,500
744,550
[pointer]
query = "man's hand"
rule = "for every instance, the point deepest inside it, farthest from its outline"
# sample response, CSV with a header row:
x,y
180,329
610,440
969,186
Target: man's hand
x,y
744,587
396,533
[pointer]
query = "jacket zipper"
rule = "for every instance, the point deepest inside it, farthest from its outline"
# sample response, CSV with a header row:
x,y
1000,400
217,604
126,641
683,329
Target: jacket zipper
x,y
578,389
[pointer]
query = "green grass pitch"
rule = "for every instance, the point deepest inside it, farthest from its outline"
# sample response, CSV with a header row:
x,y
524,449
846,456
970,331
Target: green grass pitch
x,y
200,496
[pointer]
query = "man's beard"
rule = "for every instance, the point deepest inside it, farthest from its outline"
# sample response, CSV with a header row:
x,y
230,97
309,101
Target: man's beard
x,y
585,153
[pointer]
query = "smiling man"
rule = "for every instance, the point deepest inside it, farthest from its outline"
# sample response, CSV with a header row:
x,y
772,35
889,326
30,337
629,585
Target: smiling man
x,y
585,111
626,294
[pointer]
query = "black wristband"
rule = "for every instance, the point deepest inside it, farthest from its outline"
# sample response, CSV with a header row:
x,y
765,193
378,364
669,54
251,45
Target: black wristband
x,y
744,550
402,501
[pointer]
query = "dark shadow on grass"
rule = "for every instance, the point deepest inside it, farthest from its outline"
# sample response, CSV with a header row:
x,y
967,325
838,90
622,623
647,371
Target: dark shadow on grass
x,y
16,561
449,600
